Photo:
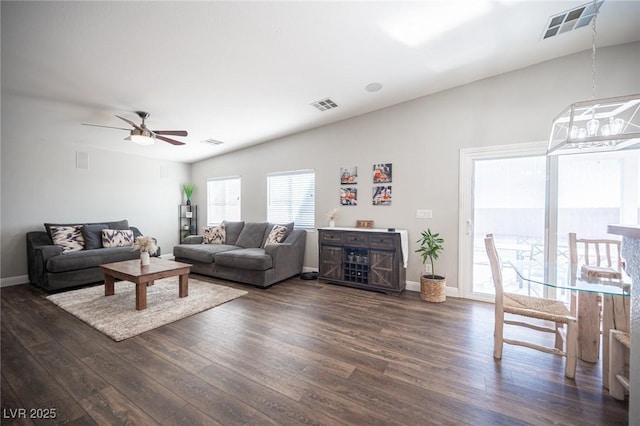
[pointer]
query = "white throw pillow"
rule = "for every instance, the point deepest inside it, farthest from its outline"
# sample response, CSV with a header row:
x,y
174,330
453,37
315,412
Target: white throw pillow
x,y
277,234
214,235
117,238
68,237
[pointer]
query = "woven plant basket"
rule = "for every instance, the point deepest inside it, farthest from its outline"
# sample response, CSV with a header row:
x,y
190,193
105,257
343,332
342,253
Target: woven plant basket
x,y
433,289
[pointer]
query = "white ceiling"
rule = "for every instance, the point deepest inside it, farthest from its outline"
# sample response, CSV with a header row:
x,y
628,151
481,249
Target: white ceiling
x,y
246,72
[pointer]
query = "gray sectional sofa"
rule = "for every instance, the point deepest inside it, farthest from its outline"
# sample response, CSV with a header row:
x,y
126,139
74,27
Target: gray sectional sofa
x,y
245,256
52,269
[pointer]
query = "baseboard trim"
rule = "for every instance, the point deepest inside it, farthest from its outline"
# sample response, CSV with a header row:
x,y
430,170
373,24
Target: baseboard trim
x,y
11,281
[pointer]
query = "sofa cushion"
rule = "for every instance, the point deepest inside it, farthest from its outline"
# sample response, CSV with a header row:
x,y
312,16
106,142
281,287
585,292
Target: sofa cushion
x,y
232,230
120,224
254,259
277,235
93,235
68,237
214,235
203,253
117,238
89,258
252,235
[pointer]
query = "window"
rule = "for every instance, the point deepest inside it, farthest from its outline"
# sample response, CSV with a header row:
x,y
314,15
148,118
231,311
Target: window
x,y
223,199
291,198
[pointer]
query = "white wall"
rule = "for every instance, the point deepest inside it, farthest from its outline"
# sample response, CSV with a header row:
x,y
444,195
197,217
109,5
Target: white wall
x,y
422,139
40,183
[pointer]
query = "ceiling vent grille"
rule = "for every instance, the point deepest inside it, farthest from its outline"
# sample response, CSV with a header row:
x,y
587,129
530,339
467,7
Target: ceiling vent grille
x,y
325,104
212,142
572,19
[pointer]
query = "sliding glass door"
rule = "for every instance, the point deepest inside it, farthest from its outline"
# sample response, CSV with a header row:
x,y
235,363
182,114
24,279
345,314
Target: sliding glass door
x,y
531,202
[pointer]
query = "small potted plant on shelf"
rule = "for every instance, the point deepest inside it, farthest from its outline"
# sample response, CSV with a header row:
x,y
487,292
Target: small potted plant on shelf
x,y
188,191
432,286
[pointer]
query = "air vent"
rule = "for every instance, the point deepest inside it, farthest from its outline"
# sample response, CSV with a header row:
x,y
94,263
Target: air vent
x,y
325,104
572,19
212,142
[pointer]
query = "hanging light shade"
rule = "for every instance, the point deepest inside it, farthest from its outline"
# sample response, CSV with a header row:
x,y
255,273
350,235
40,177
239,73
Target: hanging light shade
x,y
596,125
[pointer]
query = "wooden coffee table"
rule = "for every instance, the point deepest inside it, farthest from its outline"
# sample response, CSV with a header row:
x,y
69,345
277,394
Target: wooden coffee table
x,y
131,270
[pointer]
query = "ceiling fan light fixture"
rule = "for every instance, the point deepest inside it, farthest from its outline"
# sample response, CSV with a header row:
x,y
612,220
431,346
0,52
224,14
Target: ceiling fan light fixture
x,y
142,137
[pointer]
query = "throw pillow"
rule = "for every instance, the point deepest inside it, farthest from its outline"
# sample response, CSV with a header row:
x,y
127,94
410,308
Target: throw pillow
x,y
117,238
214,235
92,235
68,237
277,234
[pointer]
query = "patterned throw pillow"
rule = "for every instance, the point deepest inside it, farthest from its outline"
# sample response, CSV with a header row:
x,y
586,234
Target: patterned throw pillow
x,y
214,235
277,234
117,237
68,237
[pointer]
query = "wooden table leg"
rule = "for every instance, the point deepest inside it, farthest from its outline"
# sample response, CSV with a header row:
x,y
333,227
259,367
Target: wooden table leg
x,y
141,296
184,285
588,326
615,315
109,289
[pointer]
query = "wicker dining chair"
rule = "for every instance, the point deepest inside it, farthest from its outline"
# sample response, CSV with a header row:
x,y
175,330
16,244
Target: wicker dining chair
x,y
566,338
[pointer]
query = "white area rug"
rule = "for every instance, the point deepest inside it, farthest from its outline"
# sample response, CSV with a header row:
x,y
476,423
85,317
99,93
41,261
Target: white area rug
x,y
116,315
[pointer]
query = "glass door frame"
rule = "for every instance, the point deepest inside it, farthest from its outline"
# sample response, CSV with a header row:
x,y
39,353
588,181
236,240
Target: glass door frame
x,y
468,157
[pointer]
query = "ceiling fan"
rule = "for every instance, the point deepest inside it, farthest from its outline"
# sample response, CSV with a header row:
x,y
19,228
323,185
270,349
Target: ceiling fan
x,y
142,135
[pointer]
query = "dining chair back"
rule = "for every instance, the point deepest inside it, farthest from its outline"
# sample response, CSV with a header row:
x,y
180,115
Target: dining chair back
x,y
601,253
532,308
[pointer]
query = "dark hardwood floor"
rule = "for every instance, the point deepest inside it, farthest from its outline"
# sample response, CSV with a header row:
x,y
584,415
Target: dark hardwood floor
x,y
302,352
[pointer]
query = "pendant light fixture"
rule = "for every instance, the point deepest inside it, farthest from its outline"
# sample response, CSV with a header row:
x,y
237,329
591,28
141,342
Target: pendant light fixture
x,y
597,124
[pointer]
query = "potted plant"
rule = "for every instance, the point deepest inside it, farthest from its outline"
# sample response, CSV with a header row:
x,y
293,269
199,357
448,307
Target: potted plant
x,y
432,286
188,191
147,247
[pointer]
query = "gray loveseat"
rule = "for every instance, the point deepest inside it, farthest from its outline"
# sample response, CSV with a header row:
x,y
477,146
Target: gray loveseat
x,y
52,269
245,256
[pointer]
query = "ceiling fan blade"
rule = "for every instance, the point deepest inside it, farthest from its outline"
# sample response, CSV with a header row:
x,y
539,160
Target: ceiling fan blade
x,y
130,122
171,132
108,127
171,141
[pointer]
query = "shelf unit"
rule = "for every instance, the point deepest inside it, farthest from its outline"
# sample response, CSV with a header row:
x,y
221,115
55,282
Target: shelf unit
x,y
187,220
364,259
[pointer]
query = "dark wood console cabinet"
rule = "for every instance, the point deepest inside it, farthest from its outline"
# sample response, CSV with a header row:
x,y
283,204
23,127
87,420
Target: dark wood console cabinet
x,y
369,260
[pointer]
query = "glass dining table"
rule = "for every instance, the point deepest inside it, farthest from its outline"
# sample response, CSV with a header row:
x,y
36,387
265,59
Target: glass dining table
x,y
589,291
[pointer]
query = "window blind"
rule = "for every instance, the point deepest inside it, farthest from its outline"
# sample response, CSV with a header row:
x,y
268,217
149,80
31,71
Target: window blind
x,y
291,198
223,199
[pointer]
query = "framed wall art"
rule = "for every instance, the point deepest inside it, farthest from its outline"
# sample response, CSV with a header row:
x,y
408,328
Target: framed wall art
x,y
348,175
381,195
348,196
382,173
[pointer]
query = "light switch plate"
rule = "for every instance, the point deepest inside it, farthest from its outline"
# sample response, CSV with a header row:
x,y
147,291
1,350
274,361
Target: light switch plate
x,y
424,214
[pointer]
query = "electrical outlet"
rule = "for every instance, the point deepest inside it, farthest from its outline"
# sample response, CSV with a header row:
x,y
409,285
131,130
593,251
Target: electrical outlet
x,y
427,268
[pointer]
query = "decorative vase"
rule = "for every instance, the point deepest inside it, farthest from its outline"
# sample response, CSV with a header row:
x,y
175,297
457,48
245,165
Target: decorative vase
x,y
332,224
188,202
145,259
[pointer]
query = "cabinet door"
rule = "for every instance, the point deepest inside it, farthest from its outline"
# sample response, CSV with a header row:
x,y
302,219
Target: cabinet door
x,y
331,262
382,268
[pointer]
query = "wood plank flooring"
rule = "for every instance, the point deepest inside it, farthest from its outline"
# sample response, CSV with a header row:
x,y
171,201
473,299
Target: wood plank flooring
x,y
301,352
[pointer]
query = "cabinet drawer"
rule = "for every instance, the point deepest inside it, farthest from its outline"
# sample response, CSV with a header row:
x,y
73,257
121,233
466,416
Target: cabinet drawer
x,y
331,237
382,241
356,239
